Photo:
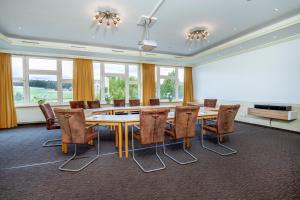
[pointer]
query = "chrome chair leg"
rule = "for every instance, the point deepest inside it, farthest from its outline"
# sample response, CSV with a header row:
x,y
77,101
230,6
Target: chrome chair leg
x,y
232,151
74,155
194,159
142,168
45,144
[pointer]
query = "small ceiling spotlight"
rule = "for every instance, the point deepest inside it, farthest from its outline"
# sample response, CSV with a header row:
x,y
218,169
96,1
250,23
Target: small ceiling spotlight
x,y
108,18
198,34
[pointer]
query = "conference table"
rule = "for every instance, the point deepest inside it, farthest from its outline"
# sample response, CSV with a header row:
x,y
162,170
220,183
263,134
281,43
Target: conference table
x,y
96,116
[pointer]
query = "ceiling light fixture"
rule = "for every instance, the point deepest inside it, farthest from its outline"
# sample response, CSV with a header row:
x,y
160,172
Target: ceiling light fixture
x,y
108,18
198,33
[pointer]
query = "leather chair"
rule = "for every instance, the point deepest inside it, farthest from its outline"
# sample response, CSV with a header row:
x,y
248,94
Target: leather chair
x,y
51,123
211,103
134,102
74,131
77,104
150,131
93,104
154,102
119,103
183,128
224,125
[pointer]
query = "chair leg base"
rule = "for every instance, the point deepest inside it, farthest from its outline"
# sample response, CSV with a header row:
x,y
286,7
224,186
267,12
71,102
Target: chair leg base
x,y
46,144
232,151
61,168
140,166
151,170
194,159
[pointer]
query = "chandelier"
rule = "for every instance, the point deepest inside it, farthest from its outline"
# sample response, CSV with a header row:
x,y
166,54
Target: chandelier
x,y
198,33
108,18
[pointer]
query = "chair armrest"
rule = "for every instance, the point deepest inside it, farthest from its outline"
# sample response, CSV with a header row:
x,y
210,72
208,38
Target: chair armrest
x,y
91,126
52,120
137,127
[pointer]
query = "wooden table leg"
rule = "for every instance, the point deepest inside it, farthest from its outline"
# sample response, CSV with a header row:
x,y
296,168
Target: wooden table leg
x,y
64,148
120,140
117,137
126,140
188,143
221,138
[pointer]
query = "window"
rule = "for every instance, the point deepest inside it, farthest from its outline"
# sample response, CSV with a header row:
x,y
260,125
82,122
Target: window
x,y
46,79
42,64
18,79
97,82
169,83
116,80
133,81
67,77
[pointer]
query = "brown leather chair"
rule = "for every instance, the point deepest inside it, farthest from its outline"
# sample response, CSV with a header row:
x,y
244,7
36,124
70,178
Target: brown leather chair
x,y
183,127
211,103
154,102
119,102
134,102
224,125
51,123
74,131
77,104
150,131
93,104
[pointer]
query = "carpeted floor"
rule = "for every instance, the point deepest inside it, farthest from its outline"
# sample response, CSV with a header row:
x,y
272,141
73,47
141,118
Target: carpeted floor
x,y
267,166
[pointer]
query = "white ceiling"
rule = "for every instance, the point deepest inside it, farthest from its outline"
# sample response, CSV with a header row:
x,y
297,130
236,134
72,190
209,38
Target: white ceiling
x,y
70,21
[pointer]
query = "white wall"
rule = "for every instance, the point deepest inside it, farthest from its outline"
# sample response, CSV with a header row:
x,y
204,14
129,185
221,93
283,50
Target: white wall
x,y
267,75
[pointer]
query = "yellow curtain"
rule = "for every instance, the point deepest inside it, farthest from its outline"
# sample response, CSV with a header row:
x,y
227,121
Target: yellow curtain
x,y
83,80
148,82
188,85
8,118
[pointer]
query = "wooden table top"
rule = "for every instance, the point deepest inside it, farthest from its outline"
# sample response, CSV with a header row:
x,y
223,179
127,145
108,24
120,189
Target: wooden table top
x,y
136,117
103,109
89,112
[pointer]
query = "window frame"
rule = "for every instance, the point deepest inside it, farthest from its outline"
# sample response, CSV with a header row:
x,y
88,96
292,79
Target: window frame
x,y
27,72
125,75
176,78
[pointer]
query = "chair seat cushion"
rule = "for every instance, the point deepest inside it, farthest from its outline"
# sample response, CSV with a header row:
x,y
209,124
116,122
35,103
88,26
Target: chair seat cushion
x,y
211,127
89,136
53,126
121,113
137,136
170,131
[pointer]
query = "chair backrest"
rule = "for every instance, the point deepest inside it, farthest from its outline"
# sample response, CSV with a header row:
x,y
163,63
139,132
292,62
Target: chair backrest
x,y
185,121
77,104
154,102
119,102
134,102
72,123
48,114
210,103
93,104
152,125
225,119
